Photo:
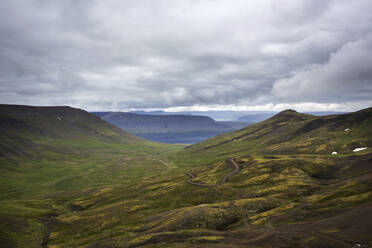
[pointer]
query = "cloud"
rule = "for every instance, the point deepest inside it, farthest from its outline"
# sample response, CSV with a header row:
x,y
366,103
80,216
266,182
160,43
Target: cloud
x,y
122,55
347,75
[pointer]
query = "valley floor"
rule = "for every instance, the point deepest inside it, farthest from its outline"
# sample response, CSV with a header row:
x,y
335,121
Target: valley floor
x,y
148,201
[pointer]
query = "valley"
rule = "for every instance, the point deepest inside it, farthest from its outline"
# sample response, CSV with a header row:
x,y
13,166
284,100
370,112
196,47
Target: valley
x,y
171,129
69,179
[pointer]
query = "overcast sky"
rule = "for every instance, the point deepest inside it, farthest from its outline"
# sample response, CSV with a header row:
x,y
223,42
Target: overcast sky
x,y
187,54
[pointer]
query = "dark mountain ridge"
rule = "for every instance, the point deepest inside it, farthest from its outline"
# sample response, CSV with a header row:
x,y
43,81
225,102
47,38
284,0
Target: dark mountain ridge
x,y
24,129
168,128
161,123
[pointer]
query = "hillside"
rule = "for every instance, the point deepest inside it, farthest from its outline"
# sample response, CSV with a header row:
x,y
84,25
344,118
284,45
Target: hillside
x,y
25,129
290,132
255,117
288,190
51,155
271,184
166,128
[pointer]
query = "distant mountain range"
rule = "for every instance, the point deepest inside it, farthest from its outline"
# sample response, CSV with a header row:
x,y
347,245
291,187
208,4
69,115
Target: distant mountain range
x,y
224,115
169,128
185,127
141,123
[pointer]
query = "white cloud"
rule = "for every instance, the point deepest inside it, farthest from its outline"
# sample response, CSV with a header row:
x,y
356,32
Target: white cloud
x,y
347,75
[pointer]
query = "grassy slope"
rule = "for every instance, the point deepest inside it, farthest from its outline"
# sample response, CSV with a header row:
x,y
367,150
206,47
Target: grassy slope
x,y
288,176
275,190
288,133
128,194
51,155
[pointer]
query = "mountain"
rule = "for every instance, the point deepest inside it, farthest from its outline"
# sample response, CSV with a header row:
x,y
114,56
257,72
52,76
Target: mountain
x,y
285,186
290,132
50,156
166,128
276,183
258,116
46,141
235,116
26,129
218,115
161,123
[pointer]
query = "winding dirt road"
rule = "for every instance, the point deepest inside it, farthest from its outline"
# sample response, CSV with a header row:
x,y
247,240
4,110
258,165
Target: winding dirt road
x,y
236,169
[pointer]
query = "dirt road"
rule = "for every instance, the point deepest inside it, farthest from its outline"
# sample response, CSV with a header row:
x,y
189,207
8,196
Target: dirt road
x,y
236,169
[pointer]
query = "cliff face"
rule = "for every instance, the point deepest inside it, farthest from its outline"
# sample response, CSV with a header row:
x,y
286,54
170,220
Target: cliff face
x,y
186,129
139,123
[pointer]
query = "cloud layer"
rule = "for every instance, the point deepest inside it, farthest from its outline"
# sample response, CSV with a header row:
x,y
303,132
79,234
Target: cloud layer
x,y
118,55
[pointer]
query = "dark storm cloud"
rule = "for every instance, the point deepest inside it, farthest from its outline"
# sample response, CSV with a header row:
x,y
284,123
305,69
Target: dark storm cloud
x,y
169,53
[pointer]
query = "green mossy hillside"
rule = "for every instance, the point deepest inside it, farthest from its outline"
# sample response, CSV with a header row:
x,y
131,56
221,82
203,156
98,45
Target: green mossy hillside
x,y
84,183
288,132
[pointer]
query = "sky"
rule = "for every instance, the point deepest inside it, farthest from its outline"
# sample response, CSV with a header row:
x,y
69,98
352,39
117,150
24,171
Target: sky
x,y
184,55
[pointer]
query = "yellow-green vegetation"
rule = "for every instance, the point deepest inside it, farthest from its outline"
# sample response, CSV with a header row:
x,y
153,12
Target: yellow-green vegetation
x,y
208,239
261,217
81,182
